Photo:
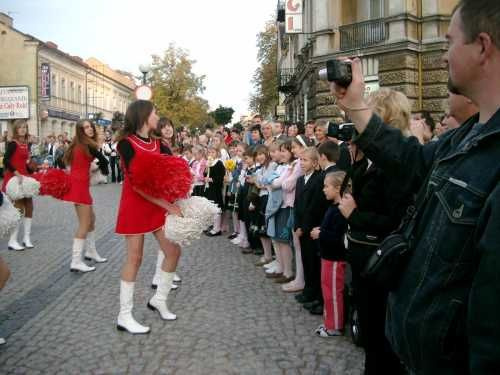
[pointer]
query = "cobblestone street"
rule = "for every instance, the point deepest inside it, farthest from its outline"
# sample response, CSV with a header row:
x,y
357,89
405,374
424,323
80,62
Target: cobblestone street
x,y
232,320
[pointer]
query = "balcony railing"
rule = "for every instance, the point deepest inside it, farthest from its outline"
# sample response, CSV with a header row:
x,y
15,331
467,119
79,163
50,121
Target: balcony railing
x,y
286,80
363,34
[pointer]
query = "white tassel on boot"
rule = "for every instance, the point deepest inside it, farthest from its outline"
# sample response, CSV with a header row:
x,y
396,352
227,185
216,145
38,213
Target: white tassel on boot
x,y
27,233
126,321
91,252
157,276
159,300
13,244
77,264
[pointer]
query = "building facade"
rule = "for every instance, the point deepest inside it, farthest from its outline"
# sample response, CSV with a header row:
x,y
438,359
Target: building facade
x,y
63,88
400,43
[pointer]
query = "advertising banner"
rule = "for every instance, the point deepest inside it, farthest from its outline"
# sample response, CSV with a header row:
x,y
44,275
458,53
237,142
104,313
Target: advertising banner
x,y
14,102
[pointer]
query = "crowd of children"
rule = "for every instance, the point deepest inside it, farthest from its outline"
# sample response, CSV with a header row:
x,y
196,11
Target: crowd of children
x,y
280,200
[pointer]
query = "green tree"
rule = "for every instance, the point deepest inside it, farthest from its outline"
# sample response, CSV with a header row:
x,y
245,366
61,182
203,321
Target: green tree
x,y
222,115
177,89
265,79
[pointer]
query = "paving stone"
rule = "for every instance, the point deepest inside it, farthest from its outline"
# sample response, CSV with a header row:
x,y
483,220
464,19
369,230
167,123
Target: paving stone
x,y
232,320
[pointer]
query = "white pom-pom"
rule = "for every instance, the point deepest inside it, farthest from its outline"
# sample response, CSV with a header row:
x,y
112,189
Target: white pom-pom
x,y
198,213
27,189
182,230
9,217
200,209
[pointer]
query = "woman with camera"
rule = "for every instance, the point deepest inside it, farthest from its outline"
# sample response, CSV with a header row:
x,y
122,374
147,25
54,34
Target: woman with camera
x,y
373,211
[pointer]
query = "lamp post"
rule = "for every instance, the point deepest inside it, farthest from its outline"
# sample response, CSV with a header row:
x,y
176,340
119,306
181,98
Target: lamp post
x,y
145,69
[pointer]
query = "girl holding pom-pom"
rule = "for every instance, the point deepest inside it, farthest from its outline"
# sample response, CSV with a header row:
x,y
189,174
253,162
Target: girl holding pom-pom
x,y
16,161
166,132
142,213
79,156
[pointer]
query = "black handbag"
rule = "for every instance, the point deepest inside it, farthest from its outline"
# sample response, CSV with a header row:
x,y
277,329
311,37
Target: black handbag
x,y
386,265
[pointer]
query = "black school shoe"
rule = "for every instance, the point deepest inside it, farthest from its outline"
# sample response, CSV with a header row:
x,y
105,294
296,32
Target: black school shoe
x,y
317,310
304,298
232,236
312,304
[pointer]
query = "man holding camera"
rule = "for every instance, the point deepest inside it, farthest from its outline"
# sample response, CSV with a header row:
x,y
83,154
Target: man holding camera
x,y
443,313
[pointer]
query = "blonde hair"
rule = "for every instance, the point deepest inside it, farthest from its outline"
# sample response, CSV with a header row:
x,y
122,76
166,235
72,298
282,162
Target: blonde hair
x,y
336,179
393,107
312,152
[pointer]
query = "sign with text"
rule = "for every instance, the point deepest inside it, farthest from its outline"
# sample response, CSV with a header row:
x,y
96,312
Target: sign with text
x,y
293,16
14,102
45,81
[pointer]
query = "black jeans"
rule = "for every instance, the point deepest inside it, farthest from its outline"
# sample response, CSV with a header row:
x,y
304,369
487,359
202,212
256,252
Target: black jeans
x,y
116,172
371,303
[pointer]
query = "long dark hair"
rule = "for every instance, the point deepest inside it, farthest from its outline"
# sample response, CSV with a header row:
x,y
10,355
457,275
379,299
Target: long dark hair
x,y
162,122
81,140
137,115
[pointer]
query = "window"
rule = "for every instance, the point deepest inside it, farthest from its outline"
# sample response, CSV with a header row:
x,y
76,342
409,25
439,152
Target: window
x,y
63,88
376,9
72,92
79,98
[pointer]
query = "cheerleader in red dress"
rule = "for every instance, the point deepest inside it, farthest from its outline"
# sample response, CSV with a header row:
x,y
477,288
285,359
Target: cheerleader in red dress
x,y
80,154
166,132
140,213
16,160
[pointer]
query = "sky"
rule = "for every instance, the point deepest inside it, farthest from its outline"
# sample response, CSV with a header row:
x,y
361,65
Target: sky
x,y
219,34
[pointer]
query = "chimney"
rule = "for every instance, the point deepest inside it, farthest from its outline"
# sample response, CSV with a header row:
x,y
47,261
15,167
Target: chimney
x,y
51,45
6,19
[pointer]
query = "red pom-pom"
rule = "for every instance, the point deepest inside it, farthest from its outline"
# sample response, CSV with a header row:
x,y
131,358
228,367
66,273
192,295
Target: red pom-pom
x,y
53,182
161,176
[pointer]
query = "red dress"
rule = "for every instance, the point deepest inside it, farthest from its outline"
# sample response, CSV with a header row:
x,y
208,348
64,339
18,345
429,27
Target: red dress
x,y
18,161
80,178
137,215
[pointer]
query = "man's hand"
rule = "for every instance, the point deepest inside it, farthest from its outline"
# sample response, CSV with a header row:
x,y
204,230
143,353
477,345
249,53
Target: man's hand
x,y
352,98
315,233
347,205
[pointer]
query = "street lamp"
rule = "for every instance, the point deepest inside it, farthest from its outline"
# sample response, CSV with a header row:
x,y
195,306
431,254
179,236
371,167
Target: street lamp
x,y
145,69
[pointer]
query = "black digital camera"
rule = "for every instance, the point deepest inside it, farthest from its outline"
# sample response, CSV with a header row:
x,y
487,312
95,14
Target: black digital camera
x,y
337,71
343,132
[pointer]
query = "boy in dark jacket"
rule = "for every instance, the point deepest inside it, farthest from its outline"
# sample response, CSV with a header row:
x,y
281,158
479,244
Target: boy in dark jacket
x,y
332,249
310,206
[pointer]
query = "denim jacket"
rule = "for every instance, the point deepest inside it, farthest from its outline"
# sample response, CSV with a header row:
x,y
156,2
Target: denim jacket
x,y
444,316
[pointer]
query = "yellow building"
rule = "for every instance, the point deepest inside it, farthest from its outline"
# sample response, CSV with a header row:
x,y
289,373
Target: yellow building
x,y
400,42
63,88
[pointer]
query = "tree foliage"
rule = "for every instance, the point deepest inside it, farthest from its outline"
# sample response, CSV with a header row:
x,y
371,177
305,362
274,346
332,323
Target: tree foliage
x,y
177,89
222,115
265,80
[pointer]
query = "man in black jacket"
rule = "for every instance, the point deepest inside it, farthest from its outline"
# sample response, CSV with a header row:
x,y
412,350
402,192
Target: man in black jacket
x,y
442,316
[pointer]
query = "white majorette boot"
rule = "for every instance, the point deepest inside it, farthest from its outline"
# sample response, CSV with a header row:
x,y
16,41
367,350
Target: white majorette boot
x,y
157,276
13,244
159,300
177,278
126,321
91,252
27,233
77,264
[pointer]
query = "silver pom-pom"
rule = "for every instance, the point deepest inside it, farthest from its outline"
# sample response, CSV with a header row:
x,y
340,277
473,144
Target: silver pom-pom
x,y
198,213
9,217
27,189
